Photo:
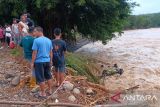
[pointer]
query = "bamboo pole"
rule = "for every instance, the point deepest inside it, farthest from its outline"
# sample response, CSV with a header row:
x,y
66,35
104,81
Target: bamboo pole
x,y
38,103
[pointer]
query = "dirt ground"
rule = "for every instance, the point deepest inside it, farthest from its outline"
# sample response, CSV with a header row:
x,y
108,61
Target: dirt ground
x,y
9,65
13,66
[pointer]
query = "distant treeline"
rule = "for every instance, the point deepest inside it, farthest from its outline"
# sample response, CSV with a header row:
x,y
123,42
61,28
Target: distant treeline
x,y
143,21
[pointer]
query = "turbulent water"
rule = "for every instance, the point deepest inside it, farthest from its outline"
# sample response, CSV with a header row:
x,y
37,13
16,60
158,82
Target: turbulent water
x,y
137,52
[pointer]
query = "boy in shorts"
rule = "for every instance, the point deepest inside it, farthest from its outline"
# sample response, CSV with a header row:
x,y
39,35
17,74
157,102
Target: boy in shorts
x,y
59,48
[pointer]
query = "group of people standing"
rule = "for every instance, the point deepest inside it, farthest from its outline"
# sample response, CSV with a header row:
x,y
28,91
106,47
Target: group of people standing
x,y
45,53
16,31
41,52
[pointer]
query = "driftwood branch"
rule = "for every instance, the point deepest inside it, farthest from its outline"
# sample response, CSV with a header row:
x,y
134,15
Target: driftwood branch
x,y
38,103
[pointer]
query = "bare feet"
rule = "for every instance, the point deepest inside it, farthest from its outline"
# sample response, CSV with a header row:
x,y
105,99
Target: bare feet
x,y
43,94
57,84
50,92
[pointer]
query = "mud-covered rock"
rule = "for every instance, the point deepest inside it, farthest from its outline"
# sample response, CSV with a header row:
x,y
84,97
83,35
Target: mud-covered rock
x,y
9,75
89,91
68,86
16,80
72,98
76,91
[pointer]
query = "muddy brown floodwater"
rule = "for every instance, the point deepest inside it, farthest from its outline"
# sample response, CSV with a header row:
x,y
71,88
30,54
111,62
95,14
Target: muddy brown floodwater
x,y
138,53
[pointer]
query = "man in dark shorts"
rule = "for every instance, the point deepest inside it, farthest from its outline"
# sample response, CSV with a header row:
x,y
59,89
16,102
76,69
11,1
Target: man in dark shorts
x,y
41,60
59,48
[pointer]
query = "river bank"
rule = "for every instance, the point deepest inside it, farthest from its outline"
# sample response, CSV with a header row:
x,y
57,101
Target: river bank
x,y
137,52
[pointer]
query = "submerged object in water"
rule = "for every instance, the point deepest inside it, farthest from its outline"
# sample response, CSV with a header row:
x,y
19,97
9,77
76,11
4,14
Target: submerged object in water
x,y
112,70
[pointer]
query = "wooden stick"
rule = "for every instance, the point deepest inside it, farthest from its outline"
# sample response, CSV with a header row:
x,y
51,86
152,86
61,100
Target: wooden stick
x,y
132,88
37,103
98,86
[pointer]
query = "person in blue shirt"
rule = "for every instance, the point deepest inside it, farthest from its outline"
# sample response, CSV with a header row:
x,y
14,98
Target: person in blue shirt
x,y
41,60
59,48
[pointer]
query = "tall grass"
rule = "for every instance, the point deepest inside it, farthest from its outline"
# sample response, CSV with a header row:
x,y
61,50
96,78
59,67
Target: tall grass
x,y
82,66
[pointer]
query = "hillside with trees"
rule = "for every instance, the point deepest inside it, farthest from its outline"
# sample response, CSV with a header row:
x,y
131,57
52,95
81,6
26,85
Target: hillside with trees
x,y
94,19
143,21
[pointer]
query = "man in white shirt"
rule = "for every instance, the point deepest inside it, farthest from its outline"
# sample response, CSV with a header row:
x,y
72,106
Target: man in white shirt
x,y
23,27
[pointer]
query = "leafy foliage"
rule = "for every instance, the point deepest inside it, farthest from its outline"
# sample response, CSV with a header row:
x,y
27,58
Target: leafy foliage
x,y
143,21
10,9
95,19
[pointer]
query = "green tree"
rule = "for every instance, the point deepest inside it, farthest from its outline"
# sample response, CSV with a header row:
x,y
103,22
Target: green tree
x,y
10,9
143,21
95,19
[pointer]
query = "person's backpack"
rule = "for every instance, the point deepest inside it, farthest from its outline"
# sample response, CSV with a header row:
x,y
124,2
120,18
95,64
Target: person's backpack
x,y
57,55
12,45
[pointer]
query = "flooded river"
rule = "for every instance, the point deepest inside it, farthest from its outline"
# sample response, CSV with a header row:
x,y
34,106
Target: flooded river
x,y
137,52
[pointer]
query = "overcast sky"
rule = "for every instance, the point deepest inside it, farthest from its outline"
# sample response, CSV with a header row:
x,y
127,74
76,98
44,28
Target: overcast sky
x,y
147,6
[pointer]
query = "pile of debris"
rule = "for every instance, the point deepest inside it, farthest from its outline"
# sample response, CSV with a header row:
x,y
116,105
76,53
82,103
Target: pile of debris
x,y
109,71
77,90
